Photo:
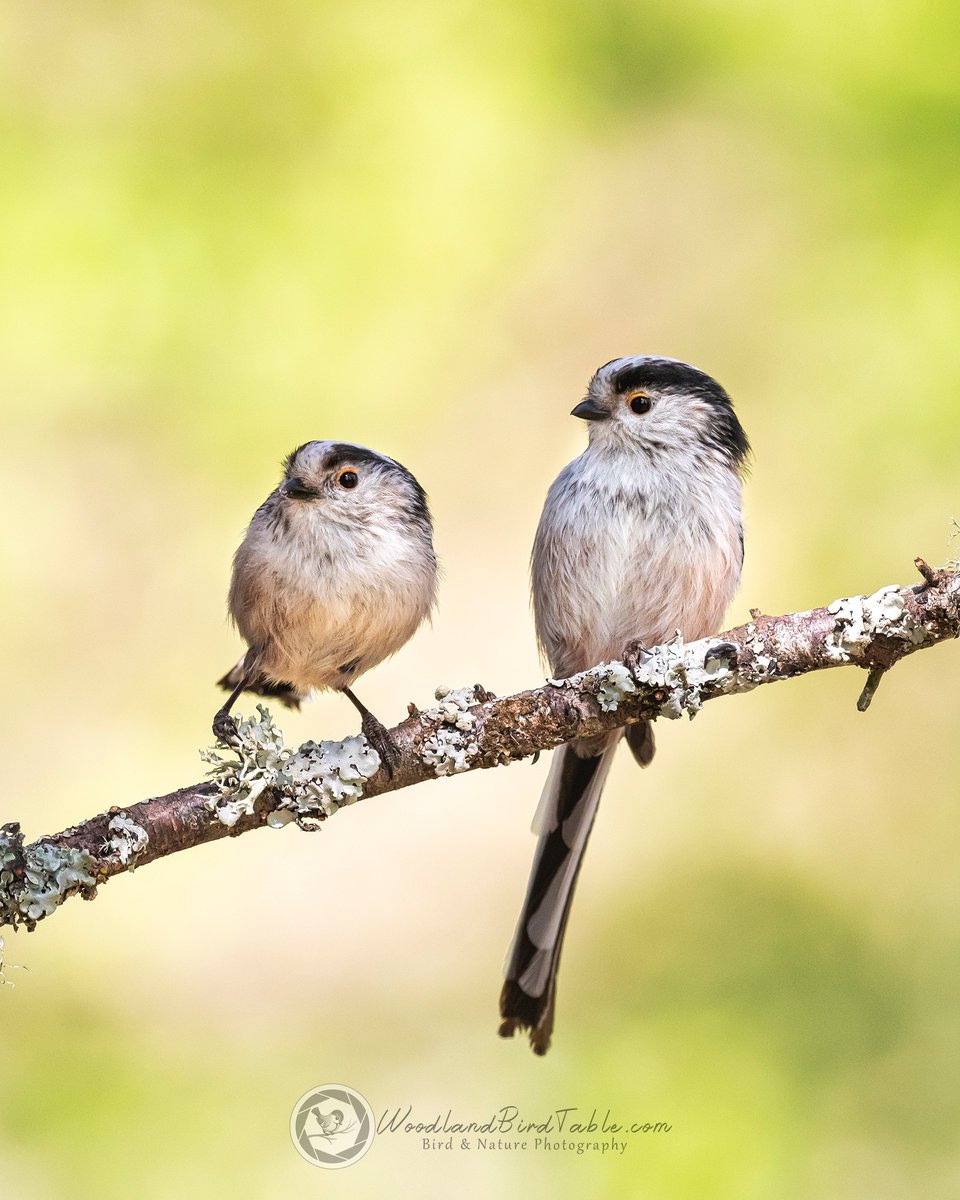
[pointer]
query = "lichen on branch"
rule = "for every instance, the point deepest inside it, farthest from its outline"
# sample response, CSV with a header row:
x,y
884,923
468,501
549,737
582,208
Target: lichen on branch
x,y
261,782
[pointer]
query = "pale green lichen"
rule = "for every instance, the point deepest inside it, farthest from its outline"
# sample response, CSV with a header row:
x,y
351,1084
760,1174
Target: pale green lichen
x,y
859,619
762,663
608,682
669,668
677,673
324,776
127,841
37,879
259,754
449,750
615,683
310,783
453,707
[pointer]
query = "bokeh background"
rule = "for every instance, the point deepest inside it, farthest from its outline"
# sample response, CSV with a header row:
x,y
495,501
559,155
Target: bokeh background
x,y
226,228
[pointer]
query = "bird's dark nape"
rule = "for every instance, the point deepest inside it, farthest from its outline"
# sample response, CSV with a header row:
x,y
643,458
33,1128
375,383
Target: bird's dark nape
x,y
727,434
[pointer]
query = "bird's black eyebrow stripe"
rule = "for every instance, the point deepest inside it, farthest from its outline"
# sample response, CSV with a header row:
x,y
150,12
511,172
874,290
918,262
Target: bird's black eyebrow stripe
x,y
338,454
343,454
662,374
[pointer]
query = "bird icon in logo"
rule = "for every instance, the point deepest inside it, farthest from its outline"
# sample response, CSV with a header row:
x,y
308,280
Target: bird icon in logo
x,y
331,1124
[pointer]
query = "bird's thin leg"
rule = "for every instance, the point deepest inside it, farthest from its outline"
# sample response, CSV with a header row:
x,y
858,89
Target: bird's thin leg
x,y
375,733
224,726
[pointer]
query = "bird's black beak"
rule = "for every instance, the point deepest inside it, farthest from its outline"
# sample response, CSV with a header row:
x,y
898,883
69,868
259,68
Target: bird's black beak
x,y
590,410
295,489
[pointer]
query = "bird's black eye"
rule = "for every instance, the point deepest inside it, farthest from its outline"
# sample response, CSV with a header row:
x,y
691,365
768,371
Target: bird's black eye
x,y
348,479
640,404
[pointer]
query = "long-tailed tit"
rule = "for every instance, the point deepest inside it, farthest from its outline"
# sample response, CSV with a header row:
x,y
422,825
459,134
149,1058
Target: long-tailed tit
x,y
640,536
335,572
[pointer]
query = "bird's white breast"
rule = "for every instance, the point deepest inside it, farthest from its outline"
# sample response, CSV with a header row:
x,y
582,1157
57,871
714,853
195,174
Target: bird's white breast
x,y
633,547
337,595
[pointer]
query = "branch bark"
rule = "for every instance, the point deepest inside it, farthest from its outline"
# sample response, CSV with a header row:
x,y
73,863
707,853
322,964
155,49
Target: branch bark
x,y
471,729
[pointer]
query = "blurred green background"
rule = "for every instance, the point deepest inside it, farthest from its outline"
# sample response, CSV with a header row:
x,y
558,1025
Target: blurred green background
x,y
226,228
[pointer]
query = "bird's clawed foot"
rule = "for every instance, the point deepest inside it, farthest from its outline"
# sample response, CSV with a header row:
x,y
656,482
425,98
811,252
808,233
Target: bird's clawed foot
x,y
225,729
378,737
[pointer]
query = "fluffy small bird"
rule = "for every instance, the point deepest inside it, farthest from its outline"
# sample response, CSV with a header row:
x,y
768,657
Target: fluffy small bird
x,y
335,573
640,536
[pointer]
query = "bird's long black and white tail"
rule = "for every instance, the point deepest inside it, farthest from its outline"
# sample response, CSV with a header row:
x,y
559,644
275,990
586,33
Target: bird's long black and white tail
x,y
563,822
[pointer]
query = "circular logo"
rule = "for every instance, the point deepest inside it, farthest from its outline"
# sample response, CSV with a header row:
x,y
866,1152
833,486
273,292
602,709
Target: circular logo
x,y
332,1126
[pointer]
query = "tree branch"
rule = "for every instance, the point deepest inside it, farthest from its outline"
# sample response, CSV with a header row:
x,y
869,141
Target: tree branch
x,y
263,783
